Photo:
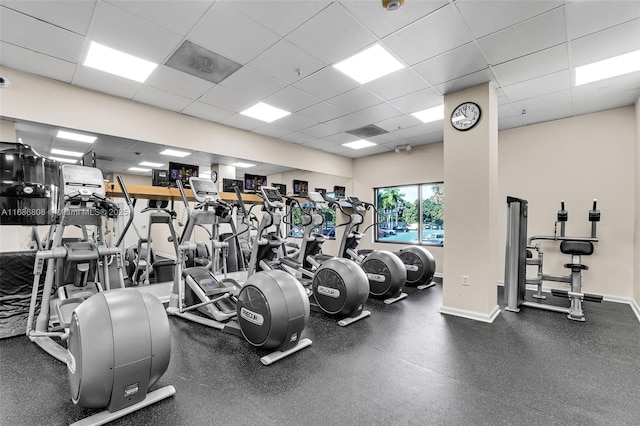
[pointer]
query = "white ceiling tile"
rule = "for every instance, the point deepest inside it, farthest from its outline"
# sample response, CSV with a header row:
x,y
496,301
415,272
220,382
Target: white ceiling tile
x,y
252,83
426,139
382,22
177,82
430,36
36,63
551,112
487,16
418,101
298,137
331,35
207,112
372,150
242,122
605,44
105,82
228,99
319,131
119,29
379,112
340,138
347,122
550,83
355,100
319,144
398,123
397,84
455,63
548,101
281,17
295,122
229,33
322,112
611,101
72,15
29,33
178,16
585,17
597,89
507,110
517,41
161,99
286,62
326,84
291,99
337,149
531,66
272,130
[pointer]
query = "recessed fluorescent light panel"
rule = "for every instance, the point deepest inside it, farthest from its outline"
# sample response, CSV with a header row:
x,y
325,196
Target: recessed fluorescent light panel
x,y
122,64
264,112
359,144
370,64
431,114
63,134
612,67
67,153
139,169
242,165
148,164
64,160
174,153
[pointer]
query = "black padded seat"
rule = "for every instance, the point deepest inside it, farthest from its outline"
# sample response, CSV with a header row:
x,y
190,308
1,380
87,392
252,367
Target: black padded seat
x,y
576,248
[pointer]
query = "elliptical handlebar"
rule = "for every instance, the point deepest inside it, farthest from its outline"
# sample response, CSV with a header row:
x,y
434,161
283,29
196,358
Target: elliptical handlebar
x,y
130,204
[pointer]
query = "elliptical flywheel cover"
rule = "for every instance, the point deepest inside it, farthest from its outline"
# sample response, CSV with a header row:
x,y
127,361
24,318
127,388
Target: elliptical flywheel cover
x,y
340,287
273,309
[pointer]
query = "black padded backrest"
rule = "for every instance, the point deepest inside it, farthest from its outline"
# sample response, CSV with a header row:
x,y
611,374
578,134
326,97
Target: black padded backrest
x,y
579,248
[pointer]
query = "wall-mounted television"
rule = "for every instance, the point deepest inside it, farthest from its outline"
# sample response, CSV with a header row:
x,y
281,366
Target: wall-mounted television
x,y
339,192
253,183
160,177
230,185
281,187
300,187
182,172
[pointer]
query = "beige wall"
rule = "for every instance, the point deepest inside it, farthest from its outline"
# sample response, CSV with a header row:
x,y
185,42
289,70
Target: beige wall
x,y
577,160
7,131
423,164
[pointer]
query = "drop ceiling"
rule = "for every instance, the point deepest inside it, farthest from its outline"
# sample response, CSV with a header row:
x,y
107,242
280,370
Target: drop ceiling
x,y
527,49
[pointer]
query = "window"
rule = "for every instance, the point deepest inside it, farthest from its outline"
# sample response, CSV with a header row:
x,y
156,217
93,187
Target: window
x,y
296,229
411,214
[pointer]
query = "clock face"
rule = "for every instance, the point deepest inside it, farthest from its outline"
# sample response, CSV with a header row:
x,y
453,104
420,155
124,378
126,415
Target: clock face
x,y
465,116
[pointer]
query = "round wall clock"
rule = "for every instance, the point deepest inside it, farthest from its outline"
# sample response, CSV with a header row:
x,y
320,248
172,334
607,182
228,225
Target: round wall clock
x,y
465,116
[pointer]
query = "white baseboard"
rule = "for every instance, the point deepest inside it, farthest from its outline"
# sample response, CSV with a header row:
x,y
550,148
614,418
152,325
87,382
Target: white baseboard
x,y
635,308
476,316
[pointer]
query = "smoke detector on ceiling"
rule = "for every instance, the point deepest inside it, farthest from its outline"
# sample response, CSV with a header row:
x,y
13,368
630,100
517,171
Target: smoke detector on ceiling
x,y
392,4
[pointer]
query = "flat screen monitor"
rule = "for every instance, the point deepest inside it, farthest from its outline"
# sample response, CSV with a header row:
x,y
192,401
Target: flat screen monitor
x,y
300,187
253,183
182,172
160,177
230,185
339,192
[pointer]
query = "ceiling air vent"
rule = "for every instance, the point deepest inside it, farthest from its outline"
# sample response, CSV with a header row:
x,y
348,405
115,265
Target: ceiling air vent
x,y
367,131
202,63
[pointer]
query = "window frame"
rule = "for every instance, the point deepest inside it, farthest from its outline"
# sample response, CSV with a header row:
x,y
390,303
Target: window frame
x,y
419,187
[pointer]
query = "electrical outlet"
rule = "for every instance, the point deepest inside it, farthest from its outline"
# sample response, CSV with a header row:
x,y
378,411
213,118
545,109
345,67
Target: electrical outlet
x,y
465,280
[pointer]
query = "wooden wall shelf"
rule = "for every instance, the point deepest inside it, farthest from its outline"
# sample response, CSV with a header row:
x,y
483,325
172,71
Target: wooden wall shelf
x,y
164,193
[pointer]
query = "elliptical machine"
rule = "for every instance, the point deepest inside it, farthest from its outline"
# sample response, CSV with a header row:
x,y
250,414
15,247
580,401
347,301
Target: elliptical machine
x,y
386,273
519,254
98,325
337,287
140,261
270,310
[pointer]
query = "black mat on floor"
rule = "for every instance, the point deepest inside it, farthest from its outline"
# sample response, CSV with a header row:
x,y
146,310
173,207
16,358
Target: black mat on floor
x,y
405,365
